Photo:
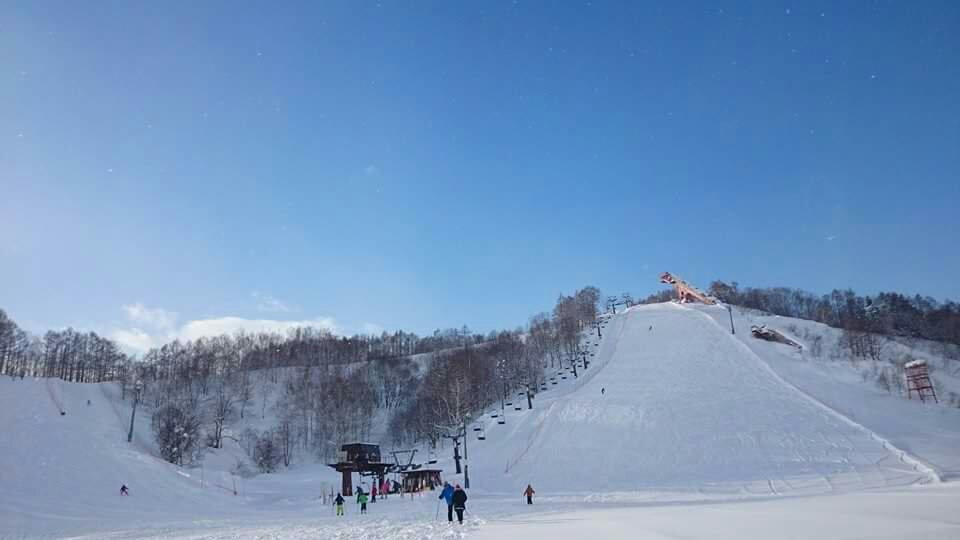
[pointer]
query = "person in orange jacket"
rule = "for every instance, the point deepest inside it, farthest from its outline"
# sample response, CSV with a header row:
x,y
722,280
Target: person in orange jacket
x,y
528,493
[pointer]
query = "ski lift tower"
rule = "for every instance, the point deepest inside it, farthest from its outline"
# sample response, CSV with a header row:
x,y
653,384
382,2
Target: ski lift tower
x,y
405,463
918,380
360,458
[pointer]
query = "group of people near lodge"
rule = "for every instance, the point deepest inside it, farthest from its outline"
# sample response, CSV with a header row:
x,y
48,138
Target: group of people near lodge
x,y
454,496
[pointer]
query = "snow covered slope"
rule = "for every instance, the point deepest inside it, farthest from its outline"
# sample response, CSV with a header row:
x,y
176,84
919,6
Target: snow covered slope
x,y
687,410
68,469
928,431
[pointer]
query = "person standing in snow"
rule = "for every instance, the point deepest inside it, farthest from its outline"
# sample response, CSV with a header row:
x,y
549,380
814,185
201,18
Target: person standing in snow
x,y
362,499
447,495
373,494
124,490
459,502
528,493
338,502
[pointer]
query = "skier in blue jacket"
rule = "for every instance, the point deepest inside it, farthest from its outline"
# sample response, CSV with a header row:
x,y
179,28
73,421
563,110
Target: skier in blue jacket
x,y
447,495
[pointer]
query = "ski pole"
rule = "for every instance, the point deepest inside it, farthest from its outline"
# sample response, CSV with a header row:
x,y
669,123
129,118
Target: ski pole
x,y
437,517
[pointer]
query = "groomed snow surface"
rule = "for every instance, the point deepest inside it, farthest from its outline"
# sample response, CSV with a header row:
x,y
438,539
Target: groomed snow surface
x,y
697,434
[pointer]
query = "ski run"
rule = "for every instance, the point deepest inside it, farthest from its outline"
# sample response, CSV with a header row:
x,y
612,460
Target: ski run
x,y
678,429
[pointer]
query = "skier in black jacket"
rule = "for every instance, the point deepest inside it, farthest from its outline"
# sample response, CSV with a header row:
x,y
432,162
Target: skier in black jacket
x,y
459,502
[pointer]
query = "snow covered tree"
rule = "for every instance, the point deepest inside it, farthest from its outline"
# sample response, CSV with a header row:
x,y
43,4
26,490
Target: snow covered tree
x,y
265,454
176,433
221,413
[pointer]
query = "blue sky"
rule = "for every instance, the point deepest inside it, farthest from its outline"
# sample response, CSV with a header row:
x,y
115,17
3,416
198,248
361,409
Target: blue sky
x,y
170,169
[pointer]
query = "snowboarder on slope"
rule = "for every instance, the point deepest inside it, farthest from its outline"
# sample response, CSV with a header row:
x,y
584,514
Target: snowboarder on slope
x,y
528,493
459,502
339,504
124,490
362,499
447,495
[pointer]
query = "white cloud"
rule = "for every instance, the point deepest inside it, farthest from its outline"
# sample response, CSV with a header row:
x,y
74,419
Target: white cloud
x,y
134,339
230,325
157,318
371,170
268,303
153,327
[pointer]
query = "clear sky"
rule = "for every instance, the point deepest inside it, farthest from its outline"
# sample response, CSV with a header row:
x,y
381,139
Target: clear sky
x,y
176,168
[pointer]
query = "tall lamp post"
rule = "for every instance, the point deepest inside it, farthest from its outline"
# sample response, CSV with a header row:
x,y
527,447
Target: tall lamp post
x,y
137,387
466,462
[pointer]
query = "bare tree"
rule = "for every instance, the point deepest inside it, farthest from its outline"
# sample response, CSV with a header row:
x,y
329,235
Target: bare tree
x,y
221,412
243,390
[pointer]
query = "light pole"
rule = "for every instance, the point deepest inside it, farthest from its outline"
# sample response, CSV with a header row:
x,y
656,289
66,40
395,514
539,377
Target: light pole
x,y
466,462
137,387
730,312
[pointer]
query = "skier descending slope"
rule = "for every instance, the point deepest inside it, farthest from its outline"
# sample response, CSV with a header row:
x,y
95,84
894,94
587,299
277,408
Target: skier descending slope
x,y
339,504
447,495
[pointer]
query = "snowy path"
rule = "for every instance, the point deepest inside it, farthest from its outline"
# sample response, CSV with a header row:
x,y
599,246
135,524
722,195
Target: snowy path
x,y
927,513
